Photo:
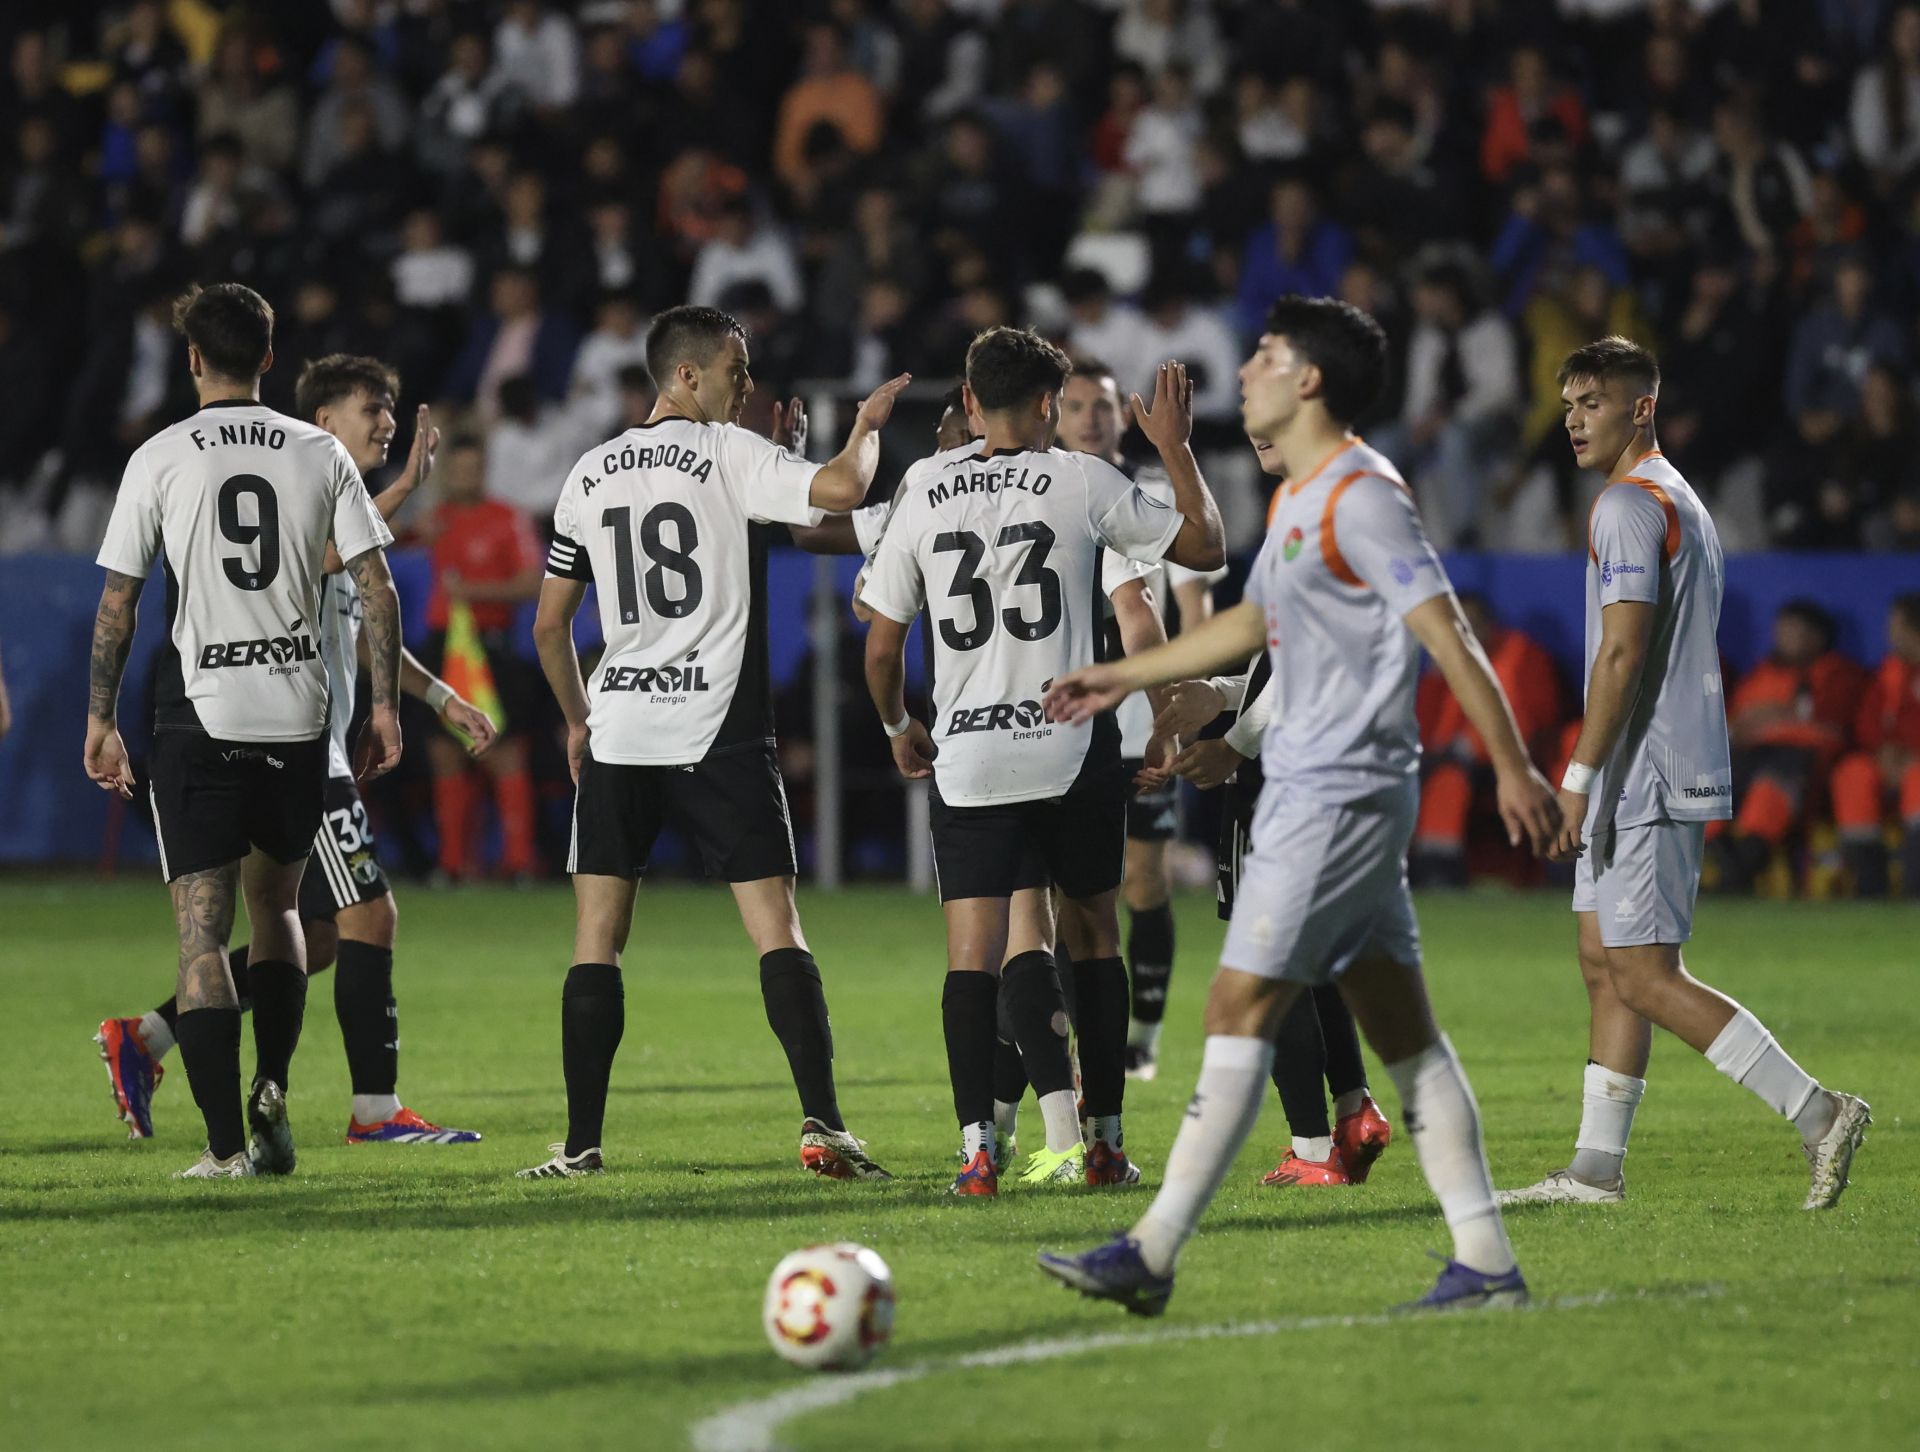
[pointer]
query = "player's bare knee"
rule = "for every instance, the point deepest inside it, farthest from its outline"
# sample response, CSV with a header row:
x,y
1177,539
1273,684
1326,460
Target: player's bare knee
x,y
1090,927
1246,1005
369,922
1146,882
323,946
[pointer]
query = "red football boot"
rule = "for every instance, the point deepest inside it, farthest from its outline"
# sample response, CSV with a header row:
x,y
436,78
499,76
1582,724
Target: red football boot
x,y
980,1177
1295,1171
1361,1138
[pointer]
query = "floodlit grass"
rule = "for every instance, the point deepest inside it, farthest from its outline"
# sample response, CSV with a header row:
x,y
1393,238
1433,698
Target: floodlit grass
x,y
420,1297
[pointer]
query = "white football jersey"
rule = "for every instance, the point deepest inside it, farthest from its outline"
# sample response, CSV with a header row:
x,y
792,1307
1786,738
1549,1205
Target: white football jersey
x,y
1012,542
662,517
340,617
1135,714
243,501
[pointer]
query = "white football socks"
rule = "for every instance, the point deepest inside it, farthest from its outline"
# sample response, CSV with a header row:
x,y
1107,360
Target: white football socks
x,y
1142,1035
1436,1105
375,1108
1747,1054
976,1137
1318,1148
1226,1102
1607,1103
1350,1103
156,1034
1006,1117
1106,1130
1061,1113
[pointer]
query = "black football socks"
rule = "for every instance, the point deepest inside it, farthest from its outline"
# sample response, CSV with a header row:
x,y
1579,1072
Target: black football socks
x,y
1345,1070
369,1020
967,1013
593,1018
1037,1014
797,1012
1150,958
210,1048
1299,1070
1100,989
279,1008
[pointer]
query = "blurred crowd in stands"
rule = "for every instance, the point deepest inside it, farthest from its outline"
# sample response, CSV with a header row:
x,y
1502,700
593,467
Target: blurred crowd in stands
x,y
496,195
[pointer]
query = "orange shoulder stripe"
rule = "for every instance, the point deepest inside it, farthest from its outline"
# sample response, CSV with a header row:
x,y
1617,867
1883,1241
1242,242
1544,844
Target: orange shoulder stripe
x,y
1671,546
1337,564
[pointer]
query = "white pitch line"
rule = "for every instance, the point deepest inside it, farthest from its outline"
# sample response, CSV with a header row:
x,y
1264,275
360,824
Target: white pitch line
x,y
752,1426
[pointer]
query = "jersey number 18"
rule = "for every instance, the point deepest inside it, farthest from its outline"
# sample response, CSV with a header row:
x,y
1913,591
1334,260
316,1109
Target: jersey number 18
x,y
677,558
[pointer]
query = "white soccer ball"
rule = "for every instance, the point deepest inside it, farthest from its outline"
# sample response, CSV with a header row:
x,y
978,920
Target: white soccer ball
x,y
829,1307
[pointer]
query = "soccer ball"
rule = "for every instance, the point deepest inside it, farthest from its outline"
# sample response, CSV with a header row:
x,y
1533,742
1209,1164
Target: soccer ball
x,y
829,1307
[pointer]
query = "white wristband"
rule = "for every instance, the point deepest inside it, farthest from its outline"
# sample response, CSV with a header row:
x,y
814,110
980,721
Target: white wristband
x,y
1579,779
438,694
897,728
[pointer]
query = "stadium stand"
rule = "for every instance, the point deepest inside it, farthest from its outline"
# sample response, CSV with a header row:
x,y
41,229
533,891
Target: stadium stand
x,y
495,194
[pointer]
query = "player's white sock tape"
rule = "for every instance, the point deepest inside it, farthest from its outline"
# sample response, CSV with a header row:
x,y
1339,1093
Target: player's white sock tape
x,y
1747,1054
156,1034
1607,1103
1060,1112
1226,1102
1436,1104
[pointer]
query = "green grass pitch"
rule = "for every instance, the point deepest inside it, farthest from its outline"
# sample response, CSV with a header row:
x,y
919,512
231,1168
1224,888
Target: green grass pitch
x,y
420,1297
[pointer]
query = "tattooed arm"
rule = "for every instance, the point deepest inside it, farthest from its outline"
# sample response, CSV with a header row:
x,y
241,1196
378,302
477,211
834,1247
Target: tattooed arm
x,y
113,622
378,750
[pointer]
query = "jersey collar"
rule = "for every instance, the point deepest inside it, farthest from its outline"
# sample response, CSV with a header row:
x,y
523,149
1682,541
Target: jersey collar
x,y
1307,478
232,403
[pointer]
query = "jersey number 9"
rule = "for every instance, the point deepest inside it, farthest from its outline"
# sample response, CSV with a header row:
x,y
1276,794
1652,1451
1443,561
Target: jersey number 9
x,y
265,531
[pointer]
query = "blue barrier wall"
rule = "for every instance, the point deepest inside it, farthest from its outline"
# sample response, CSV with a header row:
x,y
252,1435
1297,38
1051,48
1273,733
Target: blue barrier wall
x,y
50,812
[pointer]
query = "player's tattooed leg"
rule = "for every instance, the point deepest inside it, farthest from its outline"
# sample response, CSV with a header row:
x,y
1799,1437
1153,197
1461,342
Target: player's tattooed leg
x,y
203,905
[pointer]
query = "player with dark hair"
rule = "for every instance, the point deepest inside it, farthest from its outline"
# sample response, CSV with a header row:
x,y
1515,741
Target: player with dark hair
x,y
1650,769
1014,528
1317,1048
245,502
677,727
1097,991
1345,592
1092,421
346,904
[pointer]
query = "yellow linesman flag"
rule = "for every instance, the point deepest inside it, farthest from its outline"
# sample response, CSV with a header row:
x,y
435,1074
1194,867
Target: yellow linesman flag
x,y
465,667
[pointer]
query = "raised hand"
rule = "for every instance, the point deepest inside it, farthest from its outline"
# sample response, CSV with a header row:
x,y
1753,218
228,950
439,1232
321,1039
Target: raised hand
x,y
426,443
1170,422
790,426
877,407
